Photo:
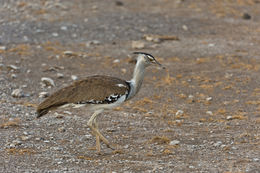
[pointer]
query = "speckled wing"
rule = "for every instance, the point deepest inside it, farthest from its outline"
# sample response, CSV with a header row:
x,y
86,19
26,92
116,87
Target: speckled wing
x,y
92,90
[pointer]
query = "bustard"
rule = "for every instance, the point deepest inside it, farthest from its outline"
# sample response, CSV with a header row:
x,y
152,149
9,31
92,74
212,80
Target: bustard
x,y
99,93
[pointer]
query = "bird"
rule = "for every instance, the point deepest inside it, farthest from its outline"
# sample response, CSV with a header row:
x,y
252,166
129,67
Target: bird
x,y
99,93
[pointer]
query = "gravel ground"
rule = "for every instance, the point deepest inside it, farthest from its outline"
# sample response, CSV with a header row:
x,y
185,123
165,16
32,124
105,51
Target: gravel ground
x,y
201,114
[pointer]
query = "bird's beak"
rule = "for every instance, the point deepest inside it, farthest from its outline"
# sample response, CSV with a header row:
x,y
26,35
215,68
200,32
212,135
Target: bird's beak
x,y
160,65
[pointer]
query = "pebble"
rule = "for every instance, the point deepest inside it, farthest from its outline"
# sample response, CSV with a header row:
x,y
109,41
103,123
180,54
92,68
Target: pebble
x,y
229,117
152,38
179,112
55,34
209,98
184,27
74,77
217,144
47,81
24,138
123,70
119,3
209,113
2,48
246,16
43,94
15,143
13,67
137,45
93,42
174,142
74,35
13,76
64,28
2,66
191,98
60,75
61,129
116,61
17,93
69,53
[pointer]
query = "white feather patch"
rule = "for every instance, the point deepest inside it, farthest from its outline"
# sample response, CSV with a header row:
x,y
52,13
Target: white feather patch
x,y
120,85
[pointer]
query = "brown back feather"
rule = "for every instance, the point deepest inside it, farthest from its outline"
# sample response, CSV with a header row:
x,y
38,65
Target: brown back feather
x,y
92,88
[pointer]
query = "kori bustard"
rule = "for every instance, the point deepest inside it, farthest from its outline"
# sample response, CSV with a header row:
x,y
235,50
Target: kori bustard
x,y
99,93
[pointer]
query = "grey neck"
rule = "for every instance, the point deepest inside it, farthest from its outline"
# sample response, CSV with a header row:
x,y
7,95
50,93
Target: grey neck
x,y
137,80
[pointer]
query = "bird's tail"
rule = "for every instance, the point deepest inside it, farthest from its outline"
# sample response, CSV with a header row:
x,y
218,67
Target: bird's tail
x,y
41,112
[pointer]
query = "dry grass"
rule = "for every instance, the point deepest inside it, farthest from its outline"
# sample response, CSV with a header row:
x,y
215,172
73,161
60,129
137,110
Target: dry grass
x,y
12,123
160,140
20,151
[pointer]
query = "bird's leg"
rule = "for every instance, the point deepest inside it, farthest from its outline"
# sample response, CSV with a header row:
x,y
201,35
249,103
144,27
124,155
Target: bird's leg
x,y
97,137
95,130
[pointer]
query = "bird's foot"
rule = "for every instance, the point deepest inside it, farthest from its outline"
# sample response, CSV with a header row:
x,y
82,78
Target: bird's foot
x,y
114,146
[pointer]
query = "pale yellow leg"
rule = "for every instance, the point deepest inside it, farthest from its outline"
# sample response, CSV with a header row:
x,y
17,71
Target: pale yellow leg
x,y
95,130
97,137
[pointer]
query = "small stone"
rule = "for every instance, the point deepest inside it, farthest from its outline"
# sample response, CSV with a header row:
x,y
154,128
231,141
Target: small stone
x,y
229,117
93,42
222,146
2,66
43,94
64,28
137,45
60,75
94,7
13,67
123,70
116,61
184,27
13,76
119,3
209,113
61,129
209,98
18,93
17,142
179,112
69,53
55,34
74,35
37,139
152,38
74,77
47,81
191,98
246,16
24,138
174,142
12,145
217,144
2,48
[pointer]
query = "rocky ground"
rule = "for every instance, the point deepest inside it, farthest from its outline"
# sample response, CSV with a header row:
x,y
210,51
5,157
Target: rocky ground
x,y
201,114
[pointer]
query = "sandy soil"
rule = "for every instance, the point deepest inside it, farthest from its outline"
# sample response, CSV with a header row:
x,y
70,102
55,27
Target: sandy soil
x,y
202,114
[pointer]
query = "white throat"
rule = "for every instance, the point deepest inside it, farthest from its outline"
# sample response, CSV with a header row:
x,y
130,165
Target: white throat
x,y
138,76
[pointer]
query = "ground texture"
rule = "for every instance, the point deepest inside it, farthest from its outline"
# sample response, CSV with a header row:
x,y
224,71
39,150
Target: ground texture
x,y
201,114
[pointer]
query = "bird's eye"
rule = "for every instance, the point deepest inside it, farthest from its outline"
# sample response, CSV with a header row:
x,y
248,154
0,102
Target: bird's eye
x,y
150,59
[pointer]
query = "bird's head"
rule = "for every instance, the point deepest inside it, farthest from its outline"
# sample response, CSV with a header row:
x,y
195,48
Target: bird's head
x,y
148,59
